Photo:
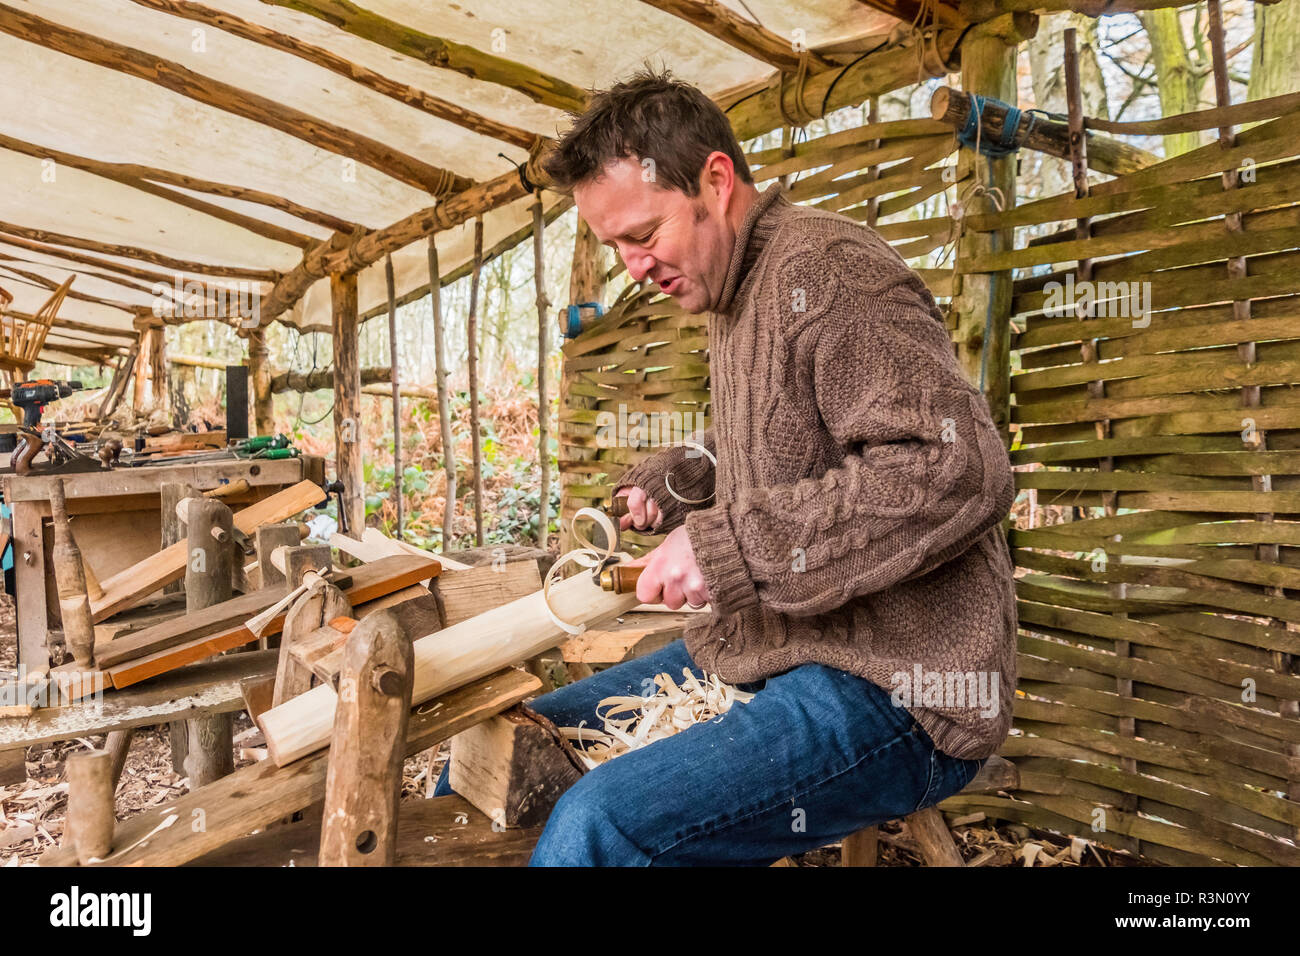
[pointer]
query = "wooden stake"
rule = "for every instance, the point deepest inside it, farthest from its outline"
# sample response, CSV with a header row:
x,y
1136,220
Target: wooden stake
x,y
307,615
472,335
543,360
347,400
90,805
444,405
364,780
70,576
397,392
118,745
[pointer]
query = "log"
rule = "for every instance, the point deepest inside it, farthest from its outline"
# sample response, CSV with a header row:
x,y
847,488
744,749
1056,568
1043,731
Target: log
x,y
364,781
445,435
209,573
70,576
453,657
90,805
931,833
147,576
118,745
1105,155
513,767
209,580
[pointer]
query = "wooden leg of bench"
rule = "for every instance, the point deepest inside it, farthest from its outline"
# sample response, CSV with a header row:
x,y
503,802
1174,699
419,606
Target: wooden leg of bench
x,y
861,848
931,833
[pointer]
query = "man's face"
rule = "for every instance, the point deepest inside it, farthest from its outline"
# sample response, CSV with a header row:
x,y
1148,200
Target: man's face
x,y
682,243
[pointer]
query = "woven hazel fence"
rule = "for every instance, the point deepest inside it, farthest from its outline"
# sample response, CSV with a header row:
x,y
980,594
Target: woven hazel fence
x,y
642,370
1156,709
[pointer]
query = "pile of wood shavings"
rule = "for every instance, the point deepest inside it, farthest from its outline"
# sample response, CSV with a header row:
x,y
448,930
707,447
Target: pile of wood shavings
x,y
634,722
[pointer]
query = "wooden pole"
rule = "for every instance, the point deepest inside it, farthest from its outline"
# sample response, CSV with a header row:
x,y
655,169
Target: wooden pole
x,y
543,390
982,302
444,403
347,401
70,577
90,805
397,393
118,745
472,334
143,366
364,780
159,396
171,494
209,578
259,372
586,284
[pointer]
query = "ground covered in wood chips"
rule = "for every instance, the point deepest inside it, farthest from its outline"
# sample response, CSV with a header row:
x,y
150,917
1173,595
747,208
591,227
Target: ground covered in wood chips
x,y
32,813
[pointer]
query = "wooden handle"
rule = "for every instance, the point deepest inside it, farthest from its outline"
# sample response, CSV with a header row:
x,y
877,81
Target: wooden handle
x,y
620,579
618,506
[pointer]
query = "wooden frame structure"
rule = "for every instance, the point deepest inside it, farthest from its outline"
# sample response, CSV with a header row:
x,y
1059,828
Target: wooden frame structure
x,y
1131,674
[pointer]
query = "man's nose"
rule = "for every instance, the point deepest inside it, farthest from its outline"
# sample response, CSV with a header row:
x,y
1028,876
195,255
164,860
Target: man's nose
x,y
638,264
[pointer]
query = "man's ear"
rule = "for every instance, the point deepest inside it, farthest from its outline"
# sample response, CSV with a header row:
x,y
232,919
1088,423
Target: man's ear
x,y
718,179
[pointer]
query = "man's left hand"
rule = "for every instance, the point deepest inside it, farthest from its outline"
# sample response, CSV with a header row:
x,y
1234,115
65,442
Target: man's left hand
x,y
671,576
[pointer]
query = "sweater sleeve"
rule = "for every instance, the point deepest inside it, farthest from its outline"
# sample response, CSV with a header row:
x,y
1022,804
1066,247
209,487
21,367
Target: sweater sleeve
x,y
924,472
689,472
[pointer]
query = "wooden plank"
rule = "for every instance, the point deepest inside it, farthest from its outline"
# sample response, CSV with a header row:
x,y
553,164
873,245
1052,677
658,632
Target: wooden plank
x,y
210,687
169,564
253,796
368,582
118,482
466,593
442,831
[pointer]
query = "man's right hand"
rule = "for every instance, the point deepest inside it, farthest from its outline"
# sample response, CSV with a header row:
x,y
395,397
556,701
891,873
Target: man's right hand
x,y
642,512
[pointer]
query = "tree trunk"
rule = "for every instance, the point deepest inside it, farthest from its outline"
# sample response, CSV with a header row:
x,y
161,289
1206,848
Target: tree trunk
x,y
1275,62
1176,79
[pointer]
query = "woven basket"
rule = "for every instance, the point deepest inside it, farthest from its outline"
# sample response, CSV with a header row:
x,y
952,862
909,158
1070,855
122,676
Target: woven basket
x,y
21,336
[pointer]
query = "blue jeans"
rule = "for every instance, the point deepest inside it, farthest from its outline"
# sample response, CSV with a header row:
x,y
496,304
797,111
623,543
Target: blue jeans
x,y
816,755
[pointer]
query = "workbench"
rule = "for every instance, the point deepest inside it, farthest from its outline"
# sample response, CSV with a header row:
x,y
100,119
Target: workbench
x,y
117,520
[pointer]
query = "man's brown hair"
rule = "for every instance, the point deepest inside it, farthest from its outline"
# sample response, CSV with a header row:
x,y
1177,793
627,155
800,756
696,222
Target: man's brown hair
x,y
651,116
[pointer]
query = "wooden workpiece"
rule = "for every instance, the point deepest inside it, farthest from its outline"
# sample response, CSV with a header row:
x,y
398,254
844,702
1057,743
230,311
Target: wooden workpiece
x,y
452,657
364,780
255,795
70,577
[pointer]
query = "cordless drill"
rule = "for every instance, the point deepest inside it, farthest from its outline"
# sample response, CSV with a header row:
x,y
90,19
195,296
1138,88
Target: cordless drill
x,y
33,396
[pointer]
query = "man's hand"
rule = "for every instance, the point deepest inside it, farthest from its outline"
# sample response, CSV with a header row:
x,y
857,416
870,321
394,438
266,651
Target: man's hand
x,y
643,514
671,576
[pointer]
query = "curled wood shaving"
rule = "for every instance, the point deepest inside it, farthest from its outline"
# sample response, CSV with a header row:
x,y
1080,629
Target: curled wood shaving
x,y
632,722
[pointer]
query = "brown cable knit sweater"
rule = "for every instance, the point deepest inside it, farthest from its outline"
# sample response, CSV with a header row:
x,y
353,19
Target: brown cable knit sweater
x,y
860,482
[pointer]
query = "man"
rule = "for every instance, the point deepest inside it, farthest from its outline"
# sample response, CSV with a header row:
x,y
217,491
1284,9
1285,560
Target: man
x,y
848,541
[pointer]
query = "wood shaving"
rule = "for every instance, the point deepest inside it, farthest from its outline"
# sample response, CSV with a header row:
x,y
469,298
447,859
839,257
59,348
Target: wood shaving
x,y
633,722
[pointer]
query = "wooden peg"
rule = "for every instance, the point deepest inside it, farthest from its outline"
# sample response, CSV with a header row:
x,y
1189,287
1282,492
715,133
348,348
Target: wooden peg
x,y
90,804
